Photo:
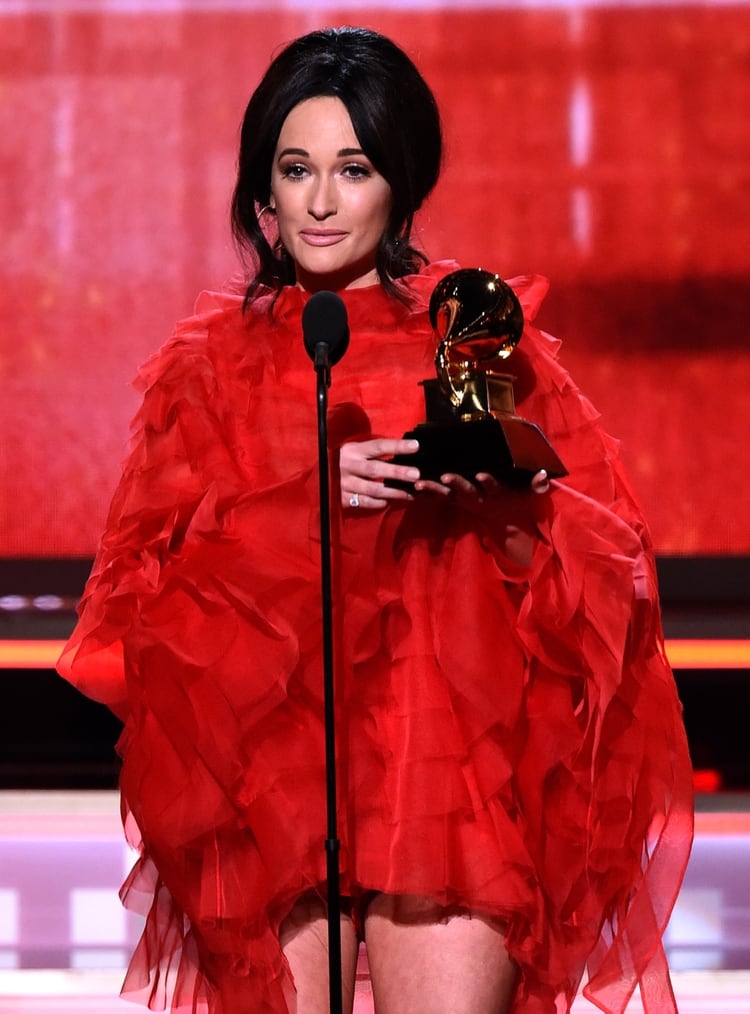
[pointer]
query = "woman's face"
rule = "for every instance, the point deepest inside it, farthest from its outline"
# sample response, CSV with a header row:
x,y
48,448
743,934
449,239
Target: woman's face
x,y
331,205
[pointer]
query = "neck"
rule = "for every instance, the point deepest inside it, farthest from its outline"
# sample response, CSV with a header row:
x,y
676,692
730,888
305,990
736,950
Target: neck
x,y
352,278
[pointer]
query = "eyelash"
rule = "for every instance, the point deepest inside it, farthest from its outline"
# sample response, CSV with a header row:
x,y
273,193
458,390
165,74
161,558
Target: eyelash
x,y
291,171
357,171
353,170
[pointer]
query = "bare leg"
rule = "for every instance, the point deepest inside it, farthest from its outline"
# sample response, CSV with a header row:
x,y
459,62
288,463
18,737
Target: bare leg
x,y
435,961
304,941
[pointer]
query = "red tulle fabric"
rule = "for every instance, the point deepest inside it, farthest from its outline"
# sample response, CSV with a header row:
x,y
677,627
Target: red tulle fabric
x,y
509,738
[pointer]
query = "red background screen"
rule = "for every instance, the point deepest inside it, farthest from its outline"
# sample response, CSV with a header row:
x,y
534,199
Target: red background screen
x,y
606,147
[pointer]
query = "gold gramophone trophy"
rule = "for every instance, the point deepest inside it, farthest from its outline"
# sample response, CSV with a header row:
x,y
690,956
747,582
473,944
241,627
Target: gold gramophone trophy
x,y
471,423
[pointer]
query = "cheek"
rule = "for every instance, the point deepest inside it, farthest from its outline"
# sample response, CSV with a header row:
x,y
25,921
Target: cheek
x,y
286,196
386,207
285,214
378,212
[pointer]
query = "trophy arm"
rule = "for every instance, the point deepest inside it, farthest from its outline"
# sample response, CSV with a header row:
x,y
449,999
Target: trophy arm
x,y
443,371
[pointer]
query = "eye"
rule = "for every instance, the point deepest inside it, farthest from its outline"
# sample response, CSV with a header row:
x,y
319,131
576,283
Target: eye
x,y
356,171
293,171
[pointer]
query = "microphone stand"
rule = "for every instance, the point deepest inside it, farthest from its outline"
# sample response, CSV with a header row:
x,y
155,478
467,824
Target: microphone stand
x,y
332,844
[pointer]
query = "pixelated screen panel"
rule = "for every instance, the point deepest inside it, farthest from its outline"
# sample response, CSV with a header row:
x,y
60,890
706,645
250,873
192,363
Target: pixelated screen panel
x,y
606,147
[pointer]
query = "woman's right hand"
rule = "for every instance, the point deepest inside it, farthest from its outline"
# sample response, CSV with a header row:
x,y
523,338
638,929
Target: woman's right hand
x,y
364,467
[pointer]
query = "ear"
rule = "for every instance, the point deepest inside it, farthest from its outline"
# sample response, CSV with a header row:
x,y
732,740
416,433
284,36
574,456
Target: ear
x,y
272,202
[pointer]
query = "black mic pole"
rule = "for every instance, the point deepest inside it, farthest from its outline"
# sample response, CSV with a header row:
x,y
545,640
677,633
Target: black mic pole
x,y
326,334
332,844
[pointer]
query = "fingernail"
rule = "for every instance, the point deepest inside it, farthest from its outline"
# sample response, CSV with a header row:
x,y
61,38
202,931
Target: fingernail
x,y
413,474
414,444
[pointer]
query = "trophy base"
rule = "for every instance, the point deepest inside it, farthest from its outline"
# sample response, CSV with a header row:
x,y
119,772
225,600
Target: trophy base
x,y
509,448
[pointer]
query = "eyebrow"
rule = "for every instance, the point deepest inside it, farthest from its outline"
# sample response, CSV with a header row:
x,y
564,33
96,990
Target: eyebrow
x,y
342,153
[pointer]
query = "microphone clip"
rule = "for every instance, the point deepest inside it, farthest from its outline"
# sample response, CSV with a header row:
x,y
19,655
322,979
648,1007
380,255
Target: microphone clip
x,y
322,361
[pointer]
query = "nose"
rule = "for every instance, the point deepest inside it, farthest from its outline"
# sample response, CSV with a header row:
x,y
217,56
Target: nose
x,y
322,203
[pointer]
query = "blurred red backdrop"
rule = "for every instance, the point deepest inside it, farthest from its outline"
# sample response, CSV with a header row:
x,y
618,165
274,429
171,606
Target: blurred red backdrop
x,y
606,147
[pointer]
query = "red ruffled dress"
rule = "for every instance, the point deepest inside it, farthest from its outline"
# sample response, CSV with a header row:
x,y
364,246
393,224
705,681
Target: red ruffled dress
x,y
509,738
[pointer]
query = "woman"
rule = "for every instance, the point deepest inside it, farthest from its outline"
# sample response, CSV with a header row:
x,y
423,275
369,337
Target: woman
x,y
514,780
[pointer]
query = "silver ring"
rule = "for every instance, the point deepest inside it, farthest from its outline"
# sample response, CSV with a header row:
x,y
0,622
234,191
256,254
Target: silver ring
x,y
354,500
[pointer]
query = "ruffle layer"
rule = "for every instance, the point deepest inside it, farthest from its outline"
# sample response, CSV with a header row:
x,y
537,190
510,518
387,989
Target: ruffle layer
x,y
509,739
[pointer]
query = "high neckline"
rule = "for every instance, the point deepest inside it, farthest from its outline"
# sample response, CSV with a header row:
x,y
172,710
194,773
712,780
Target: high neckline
x,y
369,303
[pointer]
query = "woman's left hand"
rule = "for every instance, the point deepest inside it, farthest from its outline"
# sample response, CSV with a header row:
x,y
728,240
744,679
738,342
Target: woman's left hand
x,y
484,487
516,539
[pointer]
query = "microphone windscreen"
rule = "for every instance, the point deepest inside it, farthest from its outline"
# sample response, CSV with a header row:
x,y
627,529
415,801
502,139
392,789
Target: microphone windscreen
x,y
324,320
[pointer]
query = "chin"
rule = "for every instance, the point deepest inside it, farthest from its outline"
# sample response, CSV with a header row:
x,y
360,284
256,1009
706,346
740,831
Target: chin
x,y
336,277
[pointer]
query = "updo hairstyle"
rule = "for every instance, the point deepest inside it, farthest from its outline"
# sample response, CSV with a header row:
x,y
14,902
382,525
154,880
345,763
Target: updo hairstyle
x,y
395,118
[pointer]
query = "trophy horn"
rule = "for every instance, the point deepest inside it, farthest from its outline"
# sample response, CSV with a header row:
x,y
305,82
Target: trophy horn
x,y
479,321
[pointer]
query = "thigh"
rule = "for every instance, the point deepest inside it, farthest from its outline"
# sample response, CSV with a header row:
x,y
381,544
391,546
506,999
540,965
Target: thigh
x,y
303,936
436,960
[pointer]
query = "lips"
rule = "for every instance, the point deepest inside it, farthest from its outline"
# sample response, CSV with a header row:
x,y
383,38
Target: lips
x,y
323,237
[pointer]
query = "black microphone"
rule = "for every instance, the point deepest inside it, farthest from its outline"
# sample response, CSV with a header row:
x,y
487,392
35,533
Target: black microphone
x,y
325,329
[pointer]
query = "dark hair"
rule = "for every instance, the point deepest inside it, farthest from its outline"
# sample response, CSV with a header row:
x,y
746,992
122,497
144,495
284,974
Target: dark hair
x,y
395,118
